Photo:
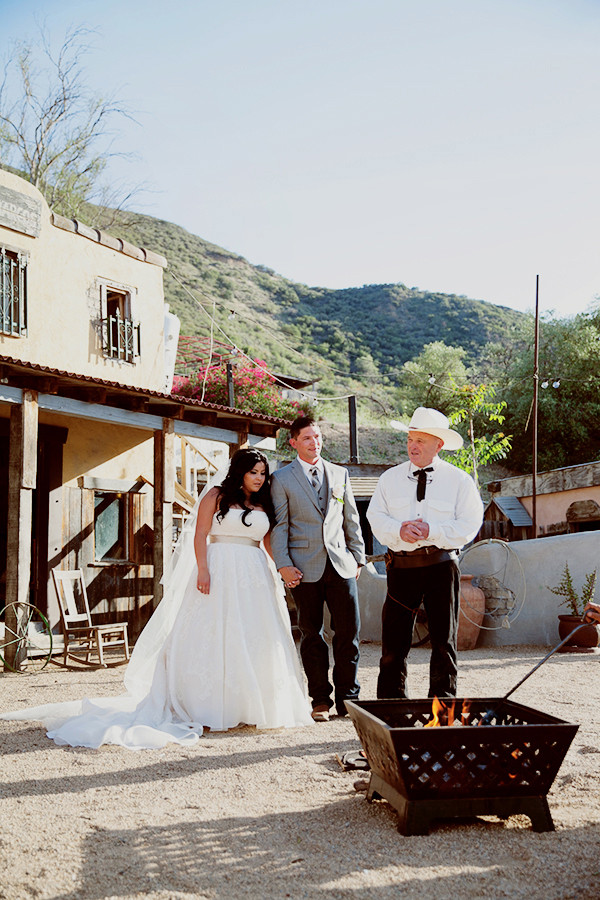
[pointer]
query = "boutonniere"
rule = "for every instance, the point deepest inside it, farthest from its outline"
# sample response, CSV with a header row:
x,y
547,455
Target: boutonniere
x,y
337,493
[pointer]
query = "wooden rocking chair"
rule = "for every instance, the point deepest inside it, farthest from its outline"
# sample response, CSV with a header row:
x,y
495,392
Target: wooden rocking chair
x,y
81,637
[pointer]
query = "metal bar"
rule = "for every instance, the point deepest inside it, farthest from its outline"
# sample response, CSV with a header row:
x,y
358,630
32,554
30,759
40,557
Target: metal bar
x,y
119,335
22,308
2,287
536,379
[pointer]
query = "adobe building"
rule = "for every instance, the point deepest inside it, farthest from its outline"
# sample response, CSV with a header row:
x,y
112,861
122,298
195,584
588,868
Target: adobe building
x,y
88,426
567,501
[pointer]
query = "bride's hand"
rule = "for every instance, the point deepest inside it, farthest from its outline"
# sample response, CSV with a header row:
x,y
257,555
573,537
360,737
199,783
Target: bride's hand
x,y
203,583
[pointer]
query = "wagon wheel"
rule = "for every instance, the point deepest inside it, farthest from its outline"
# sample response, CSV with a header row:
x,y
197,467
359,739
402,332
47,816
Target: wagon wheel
x,y
29,650
420,629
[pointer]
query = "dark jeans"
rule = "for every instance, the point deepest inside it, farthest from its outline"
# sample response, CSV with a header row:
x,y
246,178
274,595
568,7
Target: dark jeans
x,y
438,587
341,596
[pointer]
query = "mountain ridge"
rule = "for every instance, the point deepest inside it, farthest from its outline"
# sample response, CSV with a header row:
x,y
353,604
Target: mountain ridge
x,y
337,336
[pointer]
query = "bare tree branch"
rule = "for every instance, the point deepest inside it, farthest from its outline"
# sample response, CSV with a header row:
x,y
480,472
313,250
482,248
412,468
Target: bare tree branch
x,y
53,129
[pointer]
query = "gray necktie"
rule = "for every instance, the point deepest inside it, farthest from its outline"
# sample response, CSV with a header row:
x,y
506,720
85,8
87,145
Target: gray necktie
x,y
314,478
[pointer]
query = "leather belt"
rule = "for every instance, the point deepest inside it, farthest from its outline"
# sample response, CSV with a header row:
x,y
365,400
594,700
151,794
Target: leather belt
x,y
232,539
422,556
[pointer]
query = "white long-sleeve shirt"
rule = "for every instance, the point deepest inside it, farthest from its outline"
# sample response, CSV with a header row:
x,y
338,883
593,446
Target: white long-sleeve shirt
x,y
452,506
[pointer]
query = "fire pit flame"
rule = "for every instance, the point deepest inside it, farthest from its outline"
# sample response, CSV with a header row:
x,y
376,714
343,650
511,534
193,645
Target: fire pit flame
x,y
446,714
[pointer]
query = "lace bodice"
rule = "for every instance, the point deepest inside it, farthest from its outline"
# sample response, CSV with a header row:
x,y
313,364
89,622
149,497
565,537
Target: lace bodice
x,y
231,524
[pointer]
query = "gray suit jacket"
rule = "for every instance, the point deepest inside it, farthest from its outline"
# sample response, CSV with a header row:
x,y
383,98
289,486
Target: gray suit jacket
x,y
304,536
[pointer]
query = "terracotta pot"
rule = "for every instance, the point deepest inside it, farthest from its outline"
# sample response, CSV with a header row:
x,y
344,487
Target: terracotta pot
x,y
472,600
585,637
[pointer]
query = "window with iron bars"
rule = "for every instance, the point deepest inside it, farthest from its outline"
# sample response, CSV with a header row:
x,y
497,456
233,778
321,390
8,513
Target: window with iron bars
x,y
122,334
13,292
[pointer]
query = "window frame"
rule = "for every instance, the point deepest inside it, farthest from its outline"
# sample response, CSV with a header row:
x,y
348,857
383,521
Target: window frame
x,y
20,258
124,320
127,507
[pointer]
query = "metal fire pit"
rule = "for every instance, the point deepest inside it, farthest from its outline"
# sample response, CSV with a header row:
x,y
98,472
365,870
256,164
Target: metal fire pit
x,y
500,760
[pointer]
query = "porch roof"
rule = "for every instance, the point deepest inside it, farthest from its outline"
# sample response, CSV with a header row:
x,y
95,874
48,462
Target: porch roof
x,y
141,407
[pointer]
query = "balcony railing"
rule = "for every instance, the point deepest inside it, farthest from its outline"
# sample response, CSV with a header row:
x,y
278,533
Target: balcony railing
x,y
122,338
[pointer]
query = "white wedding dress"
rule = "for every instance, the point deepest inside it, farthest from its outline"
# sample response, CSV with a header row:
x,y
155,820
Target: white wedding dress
x,y
204,660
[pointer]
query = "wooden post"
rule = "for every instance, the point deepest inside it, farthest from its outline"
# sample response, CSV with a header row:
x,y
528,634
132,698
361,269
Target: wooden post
x,y
242,443
354,458
22,476
164,493
230,391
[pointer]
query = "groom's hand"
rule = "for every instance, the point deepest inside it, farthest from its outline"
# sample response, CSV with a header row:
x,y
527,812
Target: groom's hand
x,y
291,575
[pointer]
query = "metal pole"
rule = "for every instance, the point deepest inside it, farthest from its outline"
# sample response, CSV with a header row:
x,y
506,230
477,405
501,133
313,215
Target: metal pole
x,y
536,379
230,394
353,430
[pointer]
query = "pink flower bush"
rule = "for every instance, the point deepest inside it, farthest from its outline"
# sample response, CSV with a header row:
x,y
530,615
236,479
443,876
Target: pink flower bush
x,y
255,390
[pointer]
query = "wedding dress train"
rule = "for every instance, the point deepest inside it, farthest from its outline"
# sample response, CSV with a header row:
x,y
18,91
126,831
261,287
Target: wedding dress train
x,y
204,660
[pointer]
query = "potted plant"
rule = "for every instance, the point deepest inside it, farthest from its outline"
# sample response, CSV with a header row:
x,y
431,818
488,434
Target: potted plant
x,y
588,637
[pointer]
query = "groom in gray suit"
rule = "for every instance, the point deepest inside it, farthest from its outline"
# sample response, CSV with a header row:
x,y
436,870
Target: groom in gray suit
x,y
318,549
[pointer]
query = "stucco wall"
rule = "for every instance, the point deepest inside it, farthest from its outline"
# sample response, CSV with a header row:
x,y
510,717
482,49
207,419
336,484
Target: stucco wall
x,y
542,563
64,272
552,508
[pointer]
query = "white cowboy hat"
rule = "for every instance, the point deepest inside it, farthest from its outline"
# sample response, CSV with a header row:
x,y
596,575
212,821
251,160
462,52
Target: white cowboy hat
x,y
431,421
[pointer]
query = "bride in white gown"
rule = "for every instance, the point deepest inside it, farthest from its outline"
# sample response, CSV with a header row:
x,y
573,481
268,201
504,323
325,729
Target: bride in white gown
x,y
218,651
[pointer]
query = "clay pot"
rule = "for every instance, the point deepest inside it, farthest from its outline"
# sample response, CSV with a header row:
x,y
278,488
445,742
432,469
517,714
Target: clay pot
x,y
586,637
472,600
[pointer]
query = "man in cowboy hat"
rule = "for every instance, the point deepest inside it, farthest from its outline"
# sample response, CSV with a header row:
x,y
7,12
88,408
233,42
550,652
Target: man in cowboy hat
x,y
424,511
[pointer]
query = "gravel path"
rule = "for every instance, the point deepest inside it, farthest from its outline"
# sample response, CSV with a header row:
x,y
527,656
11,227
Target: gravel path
x,y
272,815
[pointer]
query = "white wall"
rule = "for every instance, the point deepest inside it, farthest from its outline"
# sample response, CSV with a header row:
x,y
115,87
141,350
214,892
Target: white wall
x,y
541,561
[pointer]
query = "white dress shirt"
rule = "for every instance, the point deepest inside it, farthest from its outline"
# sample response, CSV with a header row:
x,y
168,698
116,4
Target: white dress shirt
x,y
452,506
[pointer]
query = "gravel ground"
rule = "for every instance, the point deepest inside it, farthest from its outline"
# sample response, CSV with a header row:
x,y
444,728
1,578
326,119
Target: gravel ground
x,y
272,814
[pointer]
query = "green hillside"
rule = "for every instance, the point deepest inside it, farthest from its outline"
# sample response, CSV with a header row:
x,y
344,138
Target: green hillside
x,y
352,341
345,337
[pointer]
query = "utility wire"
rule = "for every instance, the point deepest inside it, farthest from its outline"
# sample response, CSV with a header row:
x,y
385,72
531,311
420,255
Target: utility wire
x,y
215,324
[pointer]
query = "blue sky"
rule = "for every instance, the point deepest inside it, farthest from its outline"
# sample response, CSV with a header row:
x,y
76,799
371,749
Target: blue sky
x,y
449,146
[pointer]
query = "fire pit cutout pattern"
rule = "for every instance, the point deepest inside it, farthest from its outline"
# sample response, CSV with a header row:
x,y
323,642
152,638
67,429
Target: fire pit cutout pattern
x,y
492,757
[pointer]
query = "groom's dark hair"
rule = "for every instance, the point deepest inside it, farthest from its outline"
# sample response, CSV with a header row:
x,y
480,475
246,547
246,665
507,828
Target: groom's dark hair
x,y
300,423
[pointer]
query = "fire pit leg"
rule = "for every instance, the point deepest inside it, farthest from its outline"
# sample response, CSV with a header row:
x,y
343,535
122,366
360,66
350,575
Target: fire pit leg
x,y
415,816
539,813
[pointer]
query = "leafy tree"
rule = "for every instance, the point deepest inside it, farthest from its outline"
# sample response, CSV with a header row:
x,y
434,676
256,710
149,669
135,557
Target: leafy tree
x,y
430,379
479,412
568,395
54,130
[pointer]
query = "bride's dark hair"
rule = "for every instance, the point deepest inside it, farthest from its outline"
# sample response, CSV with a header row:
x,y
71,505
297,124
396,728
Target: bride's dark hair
x,y
231,492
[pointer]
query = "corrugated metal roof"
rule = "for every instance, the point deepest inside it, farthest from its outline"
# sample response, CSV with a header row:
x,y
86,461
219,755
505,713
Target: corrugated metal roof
x,y
513,509
363,486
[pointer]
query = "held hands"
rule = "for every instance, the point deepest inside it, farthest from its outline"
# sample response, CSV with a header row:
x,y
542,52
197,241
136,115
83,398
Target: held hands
x,y
413,531
203,583
291,576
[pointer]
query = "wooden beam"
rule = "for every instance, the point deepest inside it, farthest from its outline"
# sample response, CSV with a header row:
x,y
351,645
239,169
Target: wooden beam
x,y
86,393
164,493
22,476
167,410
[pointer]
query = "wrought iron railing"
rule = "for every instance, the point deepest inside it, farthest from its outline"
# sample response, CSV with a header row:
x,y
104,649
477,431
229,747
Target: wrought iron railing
x,y
122,338
13,318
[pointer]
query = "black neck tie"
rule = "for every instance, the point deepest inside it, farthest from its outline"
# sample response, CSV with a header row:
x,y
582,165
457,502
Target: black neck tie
x,y
422,481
